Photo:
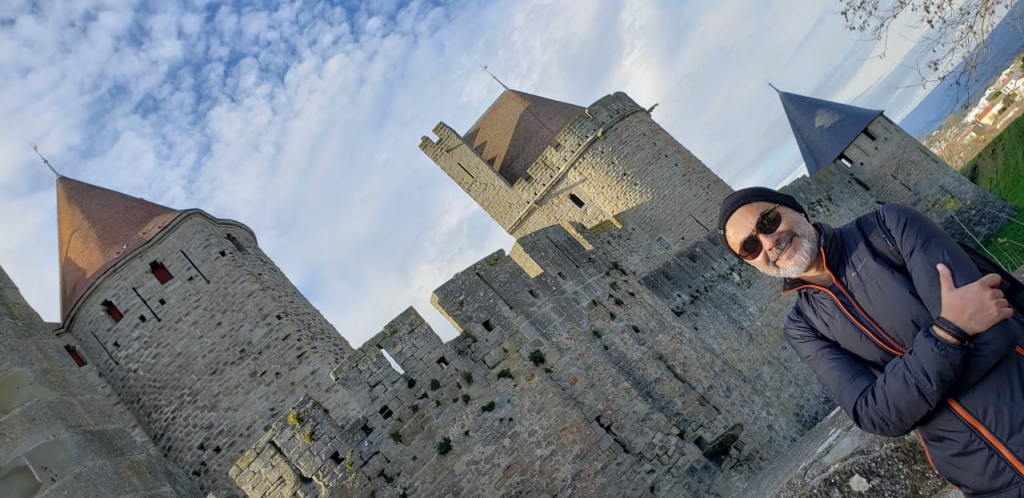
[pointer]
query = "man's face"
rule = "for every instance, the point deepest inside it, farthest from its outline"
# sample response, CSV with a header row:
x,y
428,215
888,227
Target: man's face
x,y
787,252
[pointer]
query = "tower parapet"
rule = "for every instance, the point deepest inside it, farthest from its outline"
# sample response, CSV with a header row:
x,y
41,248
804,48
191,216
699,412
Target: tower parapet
x,y
609,165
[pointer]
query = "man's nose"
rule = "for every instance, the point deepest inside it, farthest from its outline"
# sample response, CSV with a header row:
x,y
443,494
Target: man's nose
x,y
769,241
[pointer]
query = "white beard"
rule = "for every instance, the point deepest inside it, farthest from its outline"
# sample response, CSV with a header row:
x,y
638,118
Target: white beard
x,y
803,256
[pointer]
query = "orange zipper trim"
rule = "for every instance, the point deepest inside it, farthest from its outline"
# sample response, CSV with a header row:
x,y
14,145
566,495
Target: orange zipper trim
x,y
987,436
1020,350
895,349
928,455
859,309
895,352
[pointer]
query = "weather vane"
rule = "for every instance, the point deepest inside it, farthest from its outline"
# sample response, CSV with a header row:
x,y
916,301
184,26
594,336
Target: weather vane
x,y
495,78
45,161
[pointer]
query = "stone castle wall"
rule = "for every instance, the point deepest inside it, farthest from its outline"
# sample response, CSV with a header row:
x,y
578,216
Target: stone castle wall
x,y
207,360
59,436
627,400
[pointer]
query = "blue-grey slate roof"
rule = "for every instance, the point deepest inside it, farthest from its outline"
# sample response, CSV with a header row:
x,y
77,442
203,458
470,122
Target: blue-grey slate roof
x,y
823,129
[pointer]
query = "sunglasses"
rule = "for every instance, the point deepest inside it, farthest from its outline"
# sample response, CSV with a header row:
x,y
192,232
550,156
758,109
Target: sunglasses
x,y
767,223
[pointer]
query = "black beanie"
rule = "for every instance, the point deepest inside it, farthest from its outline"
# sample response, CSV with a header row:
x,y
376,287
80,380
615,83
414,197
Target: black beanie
x,y
748,195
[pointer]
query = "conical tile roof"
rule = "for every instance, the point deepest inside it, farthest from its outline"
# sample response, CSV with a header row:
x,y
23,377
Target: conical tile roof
x,y
96,228
823,129
516,129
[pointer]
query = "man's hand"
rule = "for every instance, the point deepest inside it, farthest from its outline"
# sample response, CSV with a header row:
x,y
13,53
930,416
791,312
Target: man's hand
x,y
975,307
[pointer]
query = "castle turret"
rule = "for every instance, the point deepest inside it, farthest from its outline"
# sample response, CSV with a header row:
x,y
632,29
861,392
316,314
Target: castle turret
x,y
823,130
889,165
193,326
532,162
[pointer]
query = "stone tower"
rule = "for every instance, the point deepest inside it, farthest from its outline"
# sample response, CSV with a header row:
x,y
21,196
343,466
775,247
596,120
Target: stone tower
x,y
532,162
61,434
888,165
192,325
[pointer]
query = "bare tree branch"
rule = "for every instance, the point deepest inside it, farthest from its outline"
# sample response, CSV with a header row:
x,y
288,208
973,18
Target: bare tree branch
x,y
955,30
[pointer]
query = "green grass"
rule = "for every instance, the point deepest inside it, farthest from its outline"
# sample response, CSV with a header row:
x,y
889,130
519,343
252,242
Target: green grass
x,y
999,168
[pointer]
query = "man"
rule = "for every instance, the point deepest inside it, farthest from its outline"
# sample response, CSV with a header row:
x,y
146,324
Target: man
x,y
933,347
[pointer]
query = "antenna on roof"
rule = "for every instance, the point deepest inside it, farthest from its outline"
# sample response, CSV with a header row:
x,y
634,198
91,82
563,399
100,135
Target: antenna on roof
x,y
45,161
495,78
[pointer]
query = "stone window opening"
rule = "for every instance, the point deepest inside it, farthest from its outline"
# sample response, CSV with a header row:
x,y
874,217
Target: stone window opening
x,y
665,244
561,275
869,135
367,430
162,302
845,160
337,458
223,253
142,318
576,200
73,351
391,360
488,326
442,362
385,412
162,274
112,311
717,450
235,242
116,345
534,294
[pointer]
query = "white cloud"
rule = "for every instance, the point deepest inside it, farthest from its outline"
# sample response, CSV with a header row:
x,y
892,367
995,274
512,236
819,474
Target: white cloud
x,y
302,120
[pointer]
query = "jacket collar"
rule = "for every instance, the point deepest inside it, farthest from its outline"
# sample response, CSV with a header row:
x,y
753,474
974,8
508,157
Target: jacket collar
x,y
829,241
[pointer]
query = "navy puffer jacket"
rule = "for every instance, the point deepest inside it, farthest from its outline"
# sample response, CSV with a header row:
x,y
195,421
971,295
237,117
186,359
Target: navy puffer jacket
x,y
868,340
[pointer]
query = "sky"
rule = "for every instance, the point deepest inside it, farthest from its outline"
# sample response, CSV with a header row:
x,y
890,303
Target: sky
x,y
302,119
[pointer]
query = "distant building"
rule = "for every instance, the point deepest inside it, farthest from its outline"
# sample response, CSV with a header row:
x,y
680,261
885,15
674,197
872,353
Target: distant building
x,y
989,115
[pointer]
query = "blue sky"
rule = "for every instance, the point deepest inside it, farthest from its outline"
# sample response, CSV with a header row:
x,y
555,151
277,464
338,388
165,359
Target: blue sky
x,y
302,119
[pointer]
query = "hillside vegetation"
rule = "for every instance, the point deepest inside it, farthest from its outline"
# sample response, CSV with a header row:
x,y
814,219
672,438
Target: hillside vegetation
x,y
999,168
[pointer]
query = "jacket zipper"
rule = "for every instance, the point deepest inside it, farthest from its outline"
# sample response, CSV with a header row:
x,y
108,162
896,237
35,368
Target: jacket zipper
x,y
898,350
895,349
986,435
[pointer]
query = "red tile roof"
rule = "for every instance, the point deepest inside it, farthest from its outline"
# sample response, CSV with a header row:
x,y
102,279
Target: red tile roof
x,y
96,228
516,129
